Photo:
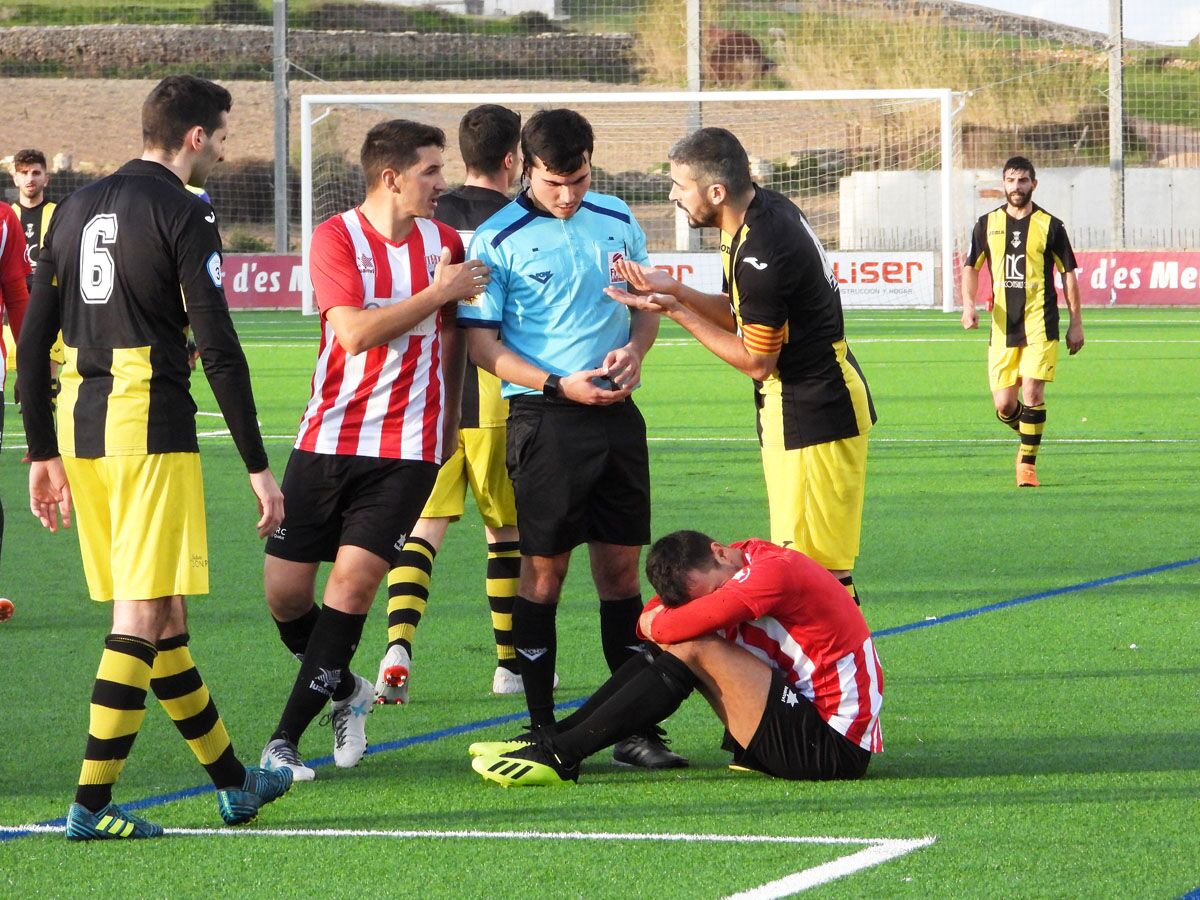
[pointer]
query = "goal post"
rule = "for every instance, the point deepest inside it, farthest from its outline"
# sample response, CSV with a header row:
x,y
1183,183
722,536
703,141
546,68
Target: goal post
x,y
873,170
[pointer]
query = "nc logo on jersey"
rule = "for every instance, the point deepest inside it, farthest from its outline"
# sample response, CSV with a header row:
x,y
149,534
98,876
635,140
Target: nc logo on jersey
x,y
214,269
541,277
614,257
366,264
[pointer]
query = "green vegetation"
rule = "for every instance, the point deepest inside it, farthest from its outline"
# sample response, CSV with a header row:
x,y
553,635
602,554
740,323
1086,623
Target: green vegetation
x,y
1049,747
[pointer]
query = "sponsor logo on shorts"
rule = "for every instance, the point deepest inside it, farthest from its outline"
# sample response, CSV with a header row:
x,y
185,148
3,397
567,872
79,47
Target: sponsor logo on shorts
x,y
199,562
399,545
280,534
789,697
533,654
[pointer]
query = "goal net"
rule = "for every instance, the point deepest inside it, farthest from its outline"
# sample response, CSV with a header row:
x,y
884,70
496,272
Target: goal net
x,y
872,170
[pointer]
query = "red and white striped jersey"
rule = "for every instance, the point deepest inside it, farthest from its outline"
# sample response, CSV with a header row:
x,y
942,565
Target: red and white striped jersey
x,y
806,626
387,401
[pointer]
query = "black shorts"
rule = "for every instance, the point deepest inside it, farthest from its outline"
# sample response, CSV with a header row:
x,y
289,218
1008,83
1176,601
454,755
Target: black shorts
x,y
579,473
793,741
364,501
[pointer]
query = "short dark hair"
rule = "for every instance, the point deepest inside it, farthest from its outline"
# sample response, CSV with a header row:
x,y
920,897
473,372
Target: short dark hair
x,y
560,138
673,558
178,104
23,158
1019,164
715,156
486,135
394,144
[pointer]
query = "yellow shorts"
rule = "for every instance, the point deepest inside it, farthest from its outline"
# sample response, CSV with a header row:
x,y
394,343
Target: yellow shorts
x,y
1006,365
141,525
815,495
479,462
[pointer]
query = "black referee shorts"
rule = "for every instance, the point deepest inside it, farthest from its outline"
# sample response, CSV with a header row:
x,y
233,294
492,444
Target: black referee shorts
x,y
364,501
580,474
793,741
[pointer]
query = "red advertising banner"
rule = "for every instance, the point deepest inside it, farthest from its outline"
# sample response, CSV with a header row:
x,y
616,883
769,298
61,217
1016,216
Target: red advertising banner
x,y
1106,277
1132,278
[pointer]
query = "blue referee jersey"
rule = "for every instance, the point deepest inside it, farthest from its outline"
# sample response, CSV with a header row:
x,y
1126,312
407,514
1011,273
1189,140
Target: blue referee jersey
x,y
547,296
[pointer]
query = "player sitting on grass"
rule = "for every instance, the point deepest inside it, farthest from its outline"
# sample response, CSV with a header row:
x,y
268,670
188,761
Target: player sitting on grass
x,y
769,637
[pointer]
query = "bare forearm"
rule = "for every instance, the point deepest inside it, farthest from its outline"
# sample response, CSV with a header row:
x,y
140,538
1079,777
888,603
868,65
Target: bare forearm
x,y
970,286
492,356
358,330
643,329
726,345
713,307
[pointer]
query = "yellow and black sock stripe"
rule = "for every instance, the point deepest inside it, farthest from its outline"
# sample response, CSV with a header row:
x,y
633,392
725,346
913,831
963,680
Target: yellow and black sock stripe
x,y
115,716
1033,423
1013,420
408,591
177,684
503,579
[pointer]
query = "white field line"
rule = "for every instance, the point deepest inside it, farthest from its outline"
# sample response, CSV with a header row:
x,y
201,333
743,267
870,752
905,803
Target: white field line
x,y
665,343
877,851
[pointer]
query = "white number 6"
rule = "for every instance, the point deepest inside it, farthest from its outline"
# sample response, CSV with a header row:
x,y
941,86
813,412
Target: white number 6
x,y
96,267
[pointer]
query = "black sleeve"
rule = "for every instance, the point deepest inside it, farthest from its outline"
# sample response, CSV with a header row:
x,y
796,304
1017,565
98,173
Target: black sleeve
x,y
759,275
42,322
1060,246
198,256
978,243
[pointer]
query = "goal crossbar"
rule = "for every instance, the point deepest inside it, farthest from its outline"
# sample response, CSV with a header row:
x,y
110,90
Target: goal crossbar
x,y
311,104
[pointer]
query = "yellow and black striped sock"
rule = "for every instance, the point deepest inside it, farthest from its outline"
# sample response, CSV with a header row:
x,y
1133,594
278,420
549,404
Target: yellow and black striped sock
x,y
408,591
179,688
1033,423
1013,420
117,710
503,578
848,583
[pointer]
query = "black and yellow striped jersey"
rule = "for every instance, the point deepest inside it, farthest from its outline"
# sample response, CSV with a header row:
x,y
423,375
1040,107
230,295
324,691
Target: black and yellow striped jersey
x,y
128,262
1022,256
465,209
778,277
35,220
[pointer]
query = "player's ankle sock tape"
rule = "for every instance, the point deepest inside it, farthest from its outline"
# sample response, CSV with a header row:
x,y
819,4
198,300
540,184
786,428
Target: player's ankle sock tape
x,y
296,633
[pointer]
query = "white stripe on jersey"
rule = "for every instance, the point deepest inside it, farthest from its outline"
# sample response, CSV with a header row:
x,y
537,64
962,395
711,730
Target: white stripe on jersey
x,y
365,430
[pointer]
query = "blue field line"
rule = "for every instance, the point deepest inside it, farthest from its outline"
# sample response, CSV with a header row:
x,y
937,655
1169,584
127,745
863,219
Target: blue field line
x,y
1029,598
1193,894
571,704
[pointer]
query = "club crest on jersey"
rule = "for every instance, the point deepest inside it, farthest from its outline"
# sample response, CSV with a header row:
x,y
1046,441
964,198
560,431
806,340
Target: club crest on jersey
x,y
614,257
431,261
29,232
541,277
366,264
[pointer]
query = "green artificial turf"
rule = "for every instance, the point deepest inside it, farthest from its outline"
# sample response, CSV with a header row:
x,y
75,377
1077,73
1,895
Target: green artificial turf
x,y
1049,746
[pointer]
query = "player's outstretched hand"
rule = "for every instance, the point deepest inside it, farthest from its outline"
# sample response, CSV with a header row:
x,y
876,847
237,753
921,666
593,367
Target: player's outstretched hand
x,y
585,387
970,318
645,279
460,281
1074,338
664,304
270,501
50,493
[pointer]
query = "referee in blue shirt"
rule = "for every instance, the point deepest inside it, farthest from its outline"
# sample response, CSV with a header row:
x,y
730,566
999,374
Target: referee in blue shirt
x,y
569,359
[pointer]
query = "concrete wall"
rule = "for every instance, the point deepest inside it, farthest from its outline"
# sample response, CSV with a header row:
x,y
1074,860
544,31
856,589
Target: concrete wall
x,y
902,210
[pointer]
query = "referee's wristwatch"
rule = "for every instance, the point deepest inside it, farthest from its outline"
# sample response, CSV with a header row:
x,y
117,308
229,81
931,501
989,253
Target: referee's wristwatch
x,y
551,389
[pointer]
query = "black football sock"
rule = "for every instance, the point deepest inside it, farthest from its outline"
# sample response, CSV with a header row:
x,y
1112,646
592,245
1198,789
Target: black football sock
x,y
618,630
633,667
328,654
536,642
637,706
295,636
